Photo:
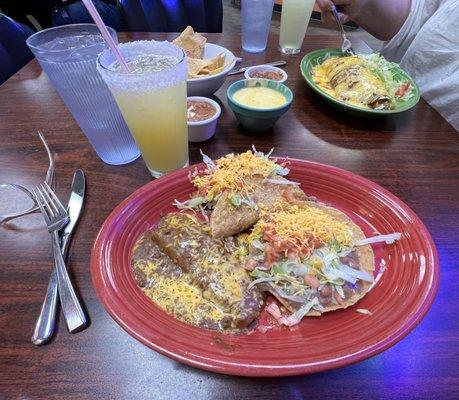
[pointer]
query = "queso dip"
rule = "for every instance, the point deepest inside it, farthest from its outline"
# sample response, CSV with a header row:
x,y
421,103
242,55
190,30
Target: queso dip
x,y
259,97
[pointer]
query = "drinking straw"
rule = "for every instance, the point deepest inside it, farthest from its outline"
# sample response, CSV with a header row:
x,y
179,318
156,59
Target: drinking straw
x,y
105,34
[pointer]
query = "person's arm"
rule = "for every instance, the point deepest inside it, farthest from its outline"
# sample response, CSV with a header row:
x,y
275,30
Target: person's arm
x,y
382,18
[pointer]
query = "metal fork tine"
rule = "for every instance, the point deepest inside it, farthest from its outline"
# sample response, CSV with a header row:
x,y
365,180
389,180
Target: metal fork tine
x,y
38,196
57,202
49,202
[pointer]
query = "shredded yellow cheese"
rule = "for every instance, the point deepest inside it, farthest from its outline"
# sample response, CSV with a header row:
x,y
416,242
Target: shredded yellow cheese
x,y
301,225
177,296
230,173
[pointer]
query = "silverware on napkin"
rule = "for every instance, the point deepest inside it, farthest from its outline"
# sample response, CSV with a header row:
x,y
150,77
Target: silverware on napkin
x,y
273,63
45,325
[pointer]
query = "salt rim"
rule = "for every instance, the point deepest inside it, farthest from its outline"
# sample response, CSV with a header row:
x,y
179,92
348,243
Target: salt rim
x,y
143,82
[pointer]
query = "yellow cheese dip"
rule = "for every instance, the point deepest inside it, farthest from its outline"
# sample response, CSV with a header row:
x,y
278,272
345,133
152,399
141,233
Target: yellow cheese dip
x,y
259,97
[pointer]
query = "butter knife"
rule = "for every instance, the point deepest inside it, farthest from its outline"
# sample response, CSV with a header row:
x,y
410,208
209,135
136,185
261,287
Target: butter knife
x,y
273,63
45,325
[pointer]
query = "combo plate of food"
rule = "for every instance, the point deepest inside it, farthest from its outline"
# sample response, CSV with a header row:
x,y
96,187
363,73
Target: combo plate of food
x,y
265,266
364,84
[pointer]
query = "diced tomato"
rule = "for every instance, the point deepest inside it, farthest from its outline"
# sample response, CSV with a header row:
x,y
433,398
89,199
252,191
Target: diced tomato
x,y
250,264
262,328
338,298
325,291
274,310
292,254
312,281
402,89
277,244
288,194
271,255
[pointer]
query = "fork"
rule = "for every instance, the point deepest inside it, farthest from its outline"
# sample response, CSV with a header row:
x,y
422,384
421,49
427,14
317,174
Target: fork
x,y
346,46
56,217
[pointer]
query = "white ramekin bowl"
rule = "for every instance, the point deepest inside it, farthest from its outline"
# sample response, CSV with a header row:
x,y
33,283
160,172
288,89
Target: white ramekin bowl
x,y
199,131
209,84
265,67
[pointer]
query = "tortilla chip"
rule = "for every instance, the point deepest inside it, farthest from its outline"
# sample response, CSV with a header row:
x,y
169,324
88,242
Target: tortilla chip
x,y
198,67
191,42
217,62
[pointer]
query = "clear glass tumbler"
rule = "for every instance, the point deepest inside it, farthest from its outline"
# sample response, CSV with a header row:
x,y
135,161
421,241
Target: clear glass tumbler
x,y
256,20
152,99
68,56
294,23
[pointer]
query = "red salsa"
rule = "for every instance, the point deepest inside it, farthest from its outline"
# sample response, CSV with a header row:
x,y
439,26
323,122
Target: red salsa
x,y
199,110
267,74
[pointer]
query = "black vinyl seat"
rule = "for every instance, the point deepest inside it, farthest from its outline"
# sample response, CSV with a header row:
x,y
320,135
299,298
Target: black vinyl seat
x,y
14,53
148,15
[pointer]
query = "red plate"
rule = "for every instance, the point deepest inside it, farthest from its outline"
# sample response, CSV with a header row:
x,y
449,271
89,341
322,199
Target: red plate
x,y
398,301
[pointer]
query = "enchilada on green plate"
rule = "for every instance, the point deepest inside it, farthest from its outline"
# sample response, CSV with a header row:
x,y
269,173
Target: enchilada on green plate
x,y
364,83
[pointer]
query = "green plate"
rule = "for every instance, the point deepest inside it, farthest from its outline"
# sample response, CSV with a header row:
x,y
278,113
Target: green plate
x,y
316,57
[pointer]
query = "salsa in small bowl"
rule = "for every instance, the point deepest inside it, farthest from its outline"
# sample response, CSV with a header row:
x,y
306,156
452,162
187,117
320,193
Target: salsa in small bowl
x,y
202,117
266,72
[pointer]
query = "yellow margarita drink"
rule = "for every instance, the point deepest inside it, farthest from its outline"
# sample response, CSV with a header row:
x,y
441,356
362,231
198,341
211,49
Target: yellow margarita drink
x,y
152,100
294,22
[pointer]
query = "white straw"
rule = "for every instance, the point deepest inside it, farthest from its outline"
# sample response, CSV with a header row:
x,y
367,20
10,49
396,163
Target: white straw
x,y
105,34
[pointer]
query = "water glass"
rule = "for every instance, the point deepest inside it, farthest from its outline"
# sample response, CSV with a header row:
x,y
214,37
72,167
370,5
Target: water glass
x,y
294,22
68,56
152,99
256,20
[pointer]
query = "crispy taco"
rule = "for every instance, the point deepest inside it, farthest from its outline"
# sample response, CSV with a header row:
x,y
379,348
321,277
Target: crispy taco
x,y
310,257
236,187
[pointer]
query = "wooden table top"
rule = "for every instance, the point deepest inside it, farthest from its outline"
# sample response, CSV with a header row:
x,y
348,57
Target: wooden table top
x,y
415,155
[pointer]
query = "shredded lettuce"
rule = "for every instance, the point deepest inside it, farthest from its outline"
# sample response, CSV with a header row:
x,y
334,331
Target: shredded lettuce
x,y
257,273
191,204
297,316
236,200
249,202
280,170
261,154
335,245
385,70
282,182
208,161
340,291
285,295
261,280
258,245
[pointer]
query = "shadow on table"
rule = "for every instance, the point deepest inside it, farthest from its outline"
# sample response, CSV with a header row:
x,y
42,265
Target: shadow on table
x,y
293,387
344,129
